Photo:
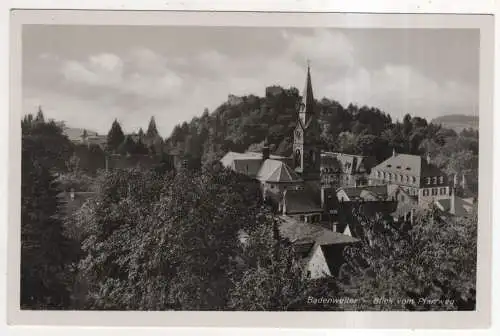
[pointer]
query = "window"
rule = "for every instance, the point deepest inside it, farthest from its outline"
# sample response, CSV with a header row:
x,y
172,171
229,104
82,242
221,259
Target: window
x,y
428,180
442,191
441,179
407,179
414,179
378,174
435,180
434,191
426,192
401,178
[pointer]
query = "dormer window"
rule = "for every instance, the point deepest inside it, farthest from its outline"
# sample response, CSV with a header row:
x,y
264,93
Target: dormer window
x,y
428,180
434,180
441,179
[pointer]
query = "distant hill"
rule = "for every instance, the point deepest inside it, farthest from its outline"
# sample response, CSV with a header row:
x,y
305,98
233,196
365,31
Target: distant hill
x,y
458,122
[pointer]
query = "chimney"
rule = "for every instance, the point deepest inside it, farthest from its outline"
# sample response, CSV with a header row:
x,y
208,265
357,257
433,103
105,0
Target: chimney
x,y
265,150
463,184
452,201
284,202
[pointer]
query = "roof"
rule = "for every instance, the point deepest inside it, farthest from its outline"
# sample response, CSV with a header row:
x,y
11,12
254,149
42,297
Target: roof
x,y
276,171
349,163
408,164
367,193
463,206
403,209
300,233
334,257
248,163
307,103
300,201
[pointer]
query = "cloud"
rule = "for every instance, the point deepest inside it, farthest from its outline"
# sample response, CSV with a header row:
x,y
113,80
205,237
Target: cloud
x,y
142,73
324,48
401,89
135,83
105,70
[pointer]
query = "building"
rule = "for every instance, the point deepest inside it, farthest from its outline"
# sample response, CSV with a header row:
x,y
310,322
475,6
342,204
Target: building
x,y
456,206
296,185
414,174
345,170
320,250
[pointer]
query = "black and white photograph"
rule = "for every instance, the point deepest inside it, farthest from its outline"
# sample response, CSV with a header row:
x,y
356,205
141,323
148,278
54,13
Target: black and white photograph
x,y
249,168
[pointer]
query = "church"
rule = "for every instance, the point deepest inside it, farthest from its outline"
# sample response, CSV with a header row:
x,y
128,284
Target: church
x,y
294,183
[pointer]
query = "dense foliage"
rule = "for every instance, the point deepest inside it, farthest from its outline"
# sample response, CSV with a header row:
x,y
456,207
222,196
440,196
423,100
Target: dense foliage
x,y
188,234
156,241
428,265
244,125
45,251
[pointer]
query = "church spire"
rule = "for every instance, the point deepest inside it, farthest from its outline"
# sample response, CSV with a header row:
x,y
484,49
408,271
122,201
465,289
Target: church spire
x,y
306,110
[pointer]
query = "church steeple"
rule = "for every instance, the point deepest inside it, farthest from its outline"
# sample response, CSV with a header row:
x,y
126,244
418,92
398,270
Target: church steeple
x,y
306,109
306,144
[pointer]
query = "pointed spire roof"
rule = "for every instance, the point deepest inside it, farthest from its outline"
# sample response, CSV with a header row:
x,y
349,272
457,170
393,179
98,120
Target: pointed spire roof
x,y
307,105
307,95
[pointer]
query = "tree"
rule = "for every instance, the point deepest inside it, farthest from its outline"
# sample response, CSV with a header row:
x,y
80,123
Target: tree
x,y
54,148
45,252
270,278
115,137
39,116
128,146
435,259
152,131
132,235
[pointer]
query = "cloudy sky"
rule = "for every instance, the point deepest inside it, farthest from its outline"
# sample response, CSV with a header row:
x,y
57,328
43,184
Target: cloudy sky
x,y
90,75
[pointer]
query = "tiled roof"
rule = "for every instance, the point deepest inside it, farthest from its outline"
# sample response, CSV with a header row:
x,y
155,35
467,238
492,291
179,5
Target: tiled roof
x,y
367,193
298,232
248,163
407,164
349,163
300,202
276,171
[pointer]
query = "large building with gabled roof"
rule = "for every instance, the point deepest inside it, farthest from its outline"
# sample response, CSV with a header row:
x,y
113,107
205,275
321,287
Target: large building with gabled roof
x,y
416,175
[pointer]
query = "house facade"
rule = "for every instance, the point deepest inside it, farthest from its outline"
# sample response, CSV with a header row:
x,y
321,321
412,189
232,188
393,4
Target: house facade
x,y
414,174
345,170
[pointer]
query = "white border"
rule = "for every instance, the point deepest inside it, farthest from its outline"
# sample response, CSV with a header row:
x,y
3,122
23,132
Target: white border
x,y
357,319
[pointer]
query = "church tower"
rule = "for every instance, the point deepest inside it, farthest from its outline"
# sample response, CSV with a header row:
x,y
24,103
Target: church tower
x,y
306,143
